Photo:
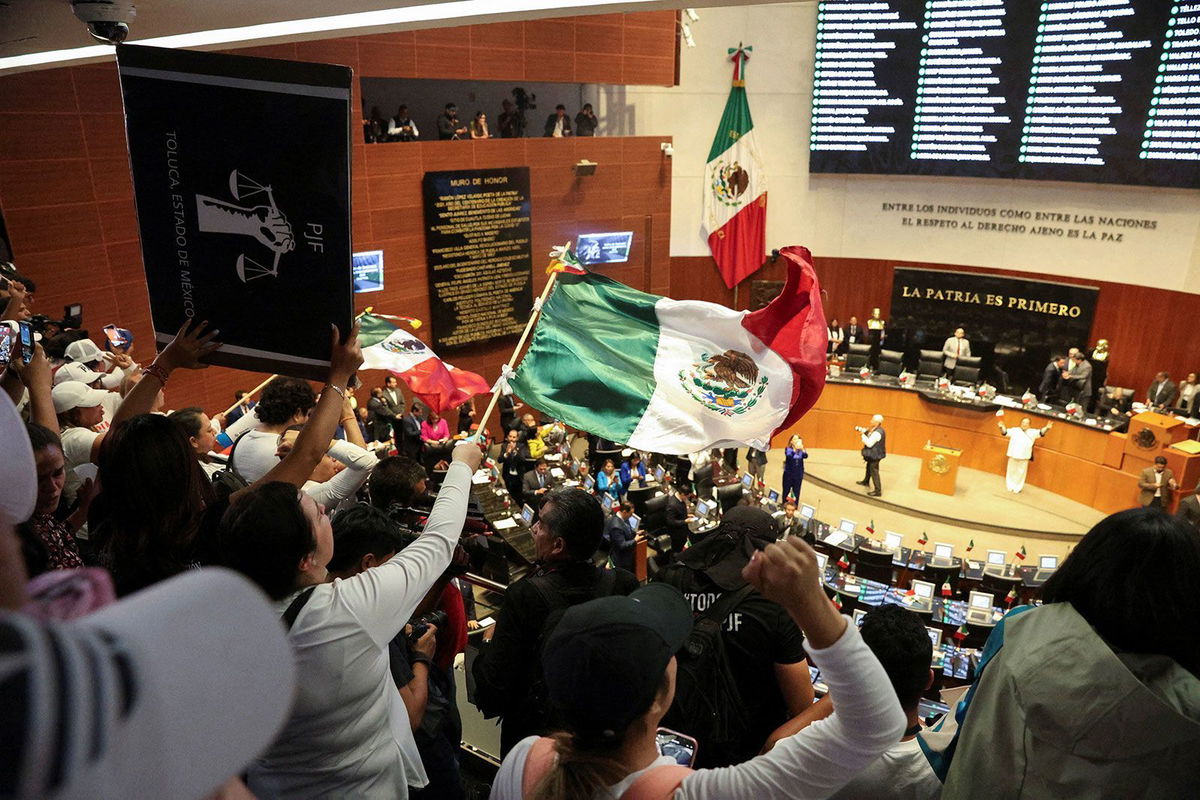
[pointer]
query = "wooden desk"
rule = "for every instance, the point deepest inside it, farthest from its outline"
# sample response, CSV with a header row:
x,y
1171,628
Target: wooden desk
x,y
1069,461
939,469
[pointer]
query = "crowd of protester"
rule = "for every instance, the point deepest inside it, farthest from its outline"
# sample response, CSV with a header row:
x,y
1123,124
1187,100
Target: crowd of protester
x,y
351,518
511,123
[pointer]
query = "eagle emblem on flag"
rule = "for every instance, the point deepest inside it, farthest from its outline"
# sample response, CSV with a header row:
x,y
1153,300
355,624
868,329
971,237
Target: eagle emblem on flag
x,y
728,383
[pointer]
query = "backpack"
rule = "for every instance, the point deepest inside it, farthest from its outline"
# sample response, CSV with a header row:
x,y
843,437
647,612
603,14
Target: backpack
x,y
656,783
229,481
708,704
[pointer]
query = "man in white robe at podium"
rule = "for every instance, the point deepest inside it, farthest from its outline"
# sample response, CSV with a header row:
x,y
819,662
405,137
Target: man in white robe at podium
x,y
1020,451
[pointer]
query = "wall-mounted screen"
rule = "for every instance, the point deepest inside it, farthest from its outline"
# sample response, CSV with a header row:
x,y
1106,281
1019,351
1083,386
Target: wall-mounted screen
x,y
1053,90
604,248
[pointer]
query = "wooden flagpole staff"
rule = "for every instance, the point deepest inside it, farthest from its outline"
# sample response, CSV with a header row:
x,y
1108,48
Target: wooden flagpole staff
x,y
559,262
246,398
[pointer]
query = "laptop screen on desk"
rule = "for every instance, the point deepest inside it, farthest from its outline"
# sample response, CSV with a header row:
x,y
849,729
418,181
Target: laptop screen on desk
x,y
822,560
943,551
846,526
892,540
996,557
701,508
923,589
1047,562
807,511
527,514
747,480
981,600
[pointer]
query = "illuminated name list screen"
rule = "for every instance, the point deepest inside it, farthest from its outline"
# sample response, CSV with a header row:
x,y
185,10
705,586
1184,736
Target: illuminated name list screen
x,y
1079,90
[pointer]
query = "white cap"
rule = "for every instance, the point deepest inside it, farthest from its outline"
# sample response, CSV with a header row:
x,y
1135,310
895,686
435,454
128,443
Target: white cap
x,y
166,694
75,371
73,394
84,351
18,472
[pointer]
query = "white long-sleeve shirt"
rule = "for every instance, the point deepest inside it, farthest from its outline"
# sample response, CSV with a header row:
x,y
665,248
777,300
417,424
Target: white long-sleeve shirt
x,y
813,763
870,438
359,463
349,734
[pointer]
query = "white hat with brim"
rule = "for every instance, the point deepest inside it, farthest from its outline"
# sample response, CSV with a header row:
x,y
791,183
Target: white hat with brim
x,y
84,351
166,694
73,394
75,371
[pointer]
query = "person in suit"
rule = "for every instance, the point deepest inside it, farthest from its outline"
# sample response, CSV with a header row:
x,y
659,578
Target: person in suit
x,y
1162,392
1048,389
393,402
1188,391
621,538
791,523
854,335
836,336
448,124
956,347
1189,509
379,418
1156,484
756,463
409,441
793,467
632,470
874,450
512,463
1077,380
558,124
537,481
585,121
678,518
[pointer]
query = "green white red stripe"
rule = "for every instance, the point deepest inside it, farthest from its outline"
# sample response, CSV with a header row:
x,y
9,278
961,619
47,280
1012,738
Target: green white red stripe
x,y
676,376
440,385
735,186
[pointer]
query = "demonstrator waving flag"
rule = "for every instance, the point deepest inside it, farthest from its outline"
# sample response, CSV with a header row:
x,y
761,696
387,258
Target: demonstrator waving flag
x,y
676,376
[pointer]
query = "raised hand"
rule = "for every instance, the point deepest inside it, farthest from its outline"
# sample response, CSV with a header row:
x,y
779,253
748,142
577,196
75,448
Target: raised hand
x,y
346,357
189,347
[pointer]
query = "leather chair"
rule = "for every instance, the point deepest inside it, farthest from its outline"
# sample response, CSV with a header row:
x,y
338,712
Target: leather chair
x,y
729,495
874,565
930,365
940,575
857,356
967,370
891,362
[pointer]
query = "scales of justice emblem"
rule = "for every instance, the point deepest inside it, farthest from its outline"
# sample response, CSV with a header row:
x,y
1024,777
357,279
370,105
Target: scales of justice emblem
x,y
262,222
727,383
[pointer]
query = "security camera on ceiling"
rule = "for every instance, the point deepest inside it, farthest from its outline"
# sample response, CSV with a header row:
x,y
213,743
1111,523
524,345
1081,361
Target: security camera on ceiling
x,y
107,20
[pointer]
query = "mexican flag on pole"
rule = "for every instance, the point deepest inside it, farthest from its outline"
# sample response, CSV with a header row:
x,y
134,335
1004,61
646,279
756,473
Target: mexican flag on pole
x,y
735,185
676,376
440,386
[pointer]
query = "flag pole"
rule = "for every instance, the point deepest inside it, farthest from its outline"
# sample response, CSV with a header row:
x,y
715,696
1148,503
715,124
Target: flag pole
x,y
246,398
512,360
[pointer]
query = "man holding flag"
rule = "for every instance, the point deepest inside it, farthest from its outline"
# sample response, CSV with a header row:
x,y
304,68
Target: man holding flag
x,y
735,185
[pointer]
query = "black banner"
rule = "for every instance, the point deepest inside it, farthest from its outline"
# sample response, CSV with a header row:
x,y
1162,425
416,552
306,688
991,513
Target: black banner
x,y
478,237
241,172
1014,324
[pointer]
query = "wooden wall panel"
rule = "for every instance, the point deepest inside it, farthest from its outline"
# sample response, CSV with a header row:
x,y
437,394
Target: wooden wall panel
x,y
1148,329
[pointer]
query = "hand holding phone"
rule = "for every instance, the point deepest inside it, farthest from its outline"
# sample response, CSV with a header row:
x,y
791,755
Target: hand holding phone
x,y
678,746
27,343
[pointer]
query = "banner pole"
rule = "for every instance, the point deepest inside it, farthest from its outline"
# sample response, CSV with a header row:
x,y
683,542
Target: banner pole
x,y
533,318
246,398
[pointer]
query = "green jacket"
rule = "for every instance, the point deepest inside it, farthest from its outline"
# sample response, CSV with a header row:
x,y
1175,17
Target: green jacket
x,y
1058,714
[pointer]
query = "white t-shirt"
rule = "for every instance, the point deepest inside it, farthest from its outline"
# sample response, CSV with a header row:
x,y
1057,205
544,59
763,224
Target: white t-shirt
x,y
902,773
77,446
255,454
1020,442
349,733
866,722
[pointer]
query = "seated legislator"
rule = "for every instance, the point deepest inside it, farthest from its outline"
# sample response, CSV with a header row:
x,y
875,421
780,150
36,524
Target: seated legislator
x,y
1095,693
537,481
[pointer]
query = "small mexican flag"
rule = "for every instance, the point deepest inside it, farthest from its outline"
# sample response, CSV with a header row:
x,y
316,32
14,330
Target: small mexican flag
x,y
1011,596
837,601
676,376
924,540
842,562
946,590
971,545
735,185
1021,553
871,528
961,633
440,386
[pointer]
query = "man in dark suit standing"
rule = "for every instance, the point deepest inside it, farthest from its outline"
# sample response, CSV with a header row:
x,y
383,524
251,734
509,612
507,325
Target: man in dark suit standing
x,y
393,404
379,418
558,124
512,463
1051,377
1077,380
536,482
1162,392
621,537
677,519
1189,509
409,442
854,335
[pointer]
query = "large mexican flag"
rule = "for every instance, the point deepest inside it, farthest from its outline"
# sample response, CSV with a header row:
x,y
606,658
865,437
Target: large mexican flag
x,y
735,186
676,376
440,385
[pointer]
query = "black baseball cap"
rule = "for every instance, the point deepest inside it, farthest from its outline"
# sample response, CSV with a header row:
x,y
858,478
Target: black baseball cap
x,y
605,660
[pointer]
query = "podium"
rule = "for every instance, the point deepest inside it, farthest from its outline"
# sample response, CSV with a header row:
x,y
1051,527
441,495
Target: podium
x,y
1150,435
939,469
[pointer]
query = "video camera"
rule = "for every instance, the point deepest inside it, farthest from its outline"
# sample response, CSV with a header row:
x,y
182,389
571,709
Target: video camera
x,y
421,624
